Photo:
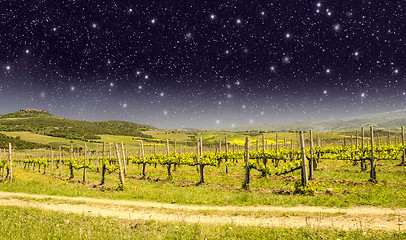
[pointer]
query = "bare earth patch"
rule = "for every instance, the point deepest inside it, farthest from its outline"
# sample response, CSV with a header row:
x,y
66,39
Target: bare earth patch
x,y
300,216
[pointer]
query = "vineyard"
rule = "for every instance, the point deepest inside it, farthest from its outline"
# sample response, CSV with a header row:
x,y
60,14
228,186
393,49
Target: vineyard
x,y
274,160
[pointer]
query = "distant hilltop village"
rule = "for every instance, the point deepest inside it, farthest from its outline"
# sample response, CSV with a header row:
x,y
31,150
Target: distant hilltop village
x,y
31,110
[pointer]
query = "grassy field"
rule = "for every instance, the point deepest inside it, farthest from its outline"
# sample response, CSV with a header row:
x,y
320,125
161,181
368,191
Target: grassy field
x,y
336,184
27,223
347,186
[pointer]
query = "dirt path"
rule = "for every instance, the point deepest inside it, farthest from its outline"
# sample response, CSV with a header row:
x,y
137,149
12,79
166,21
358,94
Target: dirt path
x,y
300,216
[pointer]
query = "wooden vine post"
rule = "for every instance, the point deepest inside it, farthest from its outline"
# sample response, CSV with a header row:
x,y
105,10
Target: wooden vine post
x,y
52,162
311,159
264,158
356,143
120,167
4,166
174,150
363,166
97,158
143,160
155,152
226,160
45,160
72,175
10,158
305,181
103,164
403,144
169,160
372,172
60,161
246,184
318,153
84,164
124,159
201,164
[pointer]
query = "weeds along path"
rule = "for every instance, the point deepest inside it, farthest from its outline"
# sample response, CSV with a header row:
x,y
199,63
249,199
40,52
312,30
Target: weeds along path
x,y
266,216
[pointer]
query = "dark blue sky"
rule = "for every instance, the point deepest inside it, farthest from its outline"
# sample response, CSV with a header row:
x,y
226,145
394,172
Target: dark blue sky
x,y
196,63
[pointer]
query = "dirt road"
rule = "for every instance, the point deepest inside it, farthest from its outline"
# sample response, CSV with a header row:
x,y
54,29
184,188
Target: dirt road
x,y
300,216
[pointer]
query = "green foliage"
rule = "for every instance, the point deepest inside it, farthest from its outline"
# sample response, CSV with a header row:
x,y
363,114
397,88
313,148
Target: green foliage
x,y
310,189
47,124
18,143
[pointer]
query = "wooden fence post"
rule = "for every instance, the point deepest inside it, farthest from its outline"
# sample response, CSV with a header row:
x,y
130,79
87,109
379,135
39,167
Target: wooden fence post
x,y
60,161
264,160
403,144
226,142
10,158
97,158
363,167
246,184
305,181
201,165
311,160
318,153
155,152
120,167
169,160
103,164
124,159
52,162
373,172
71,163
84,164
143,160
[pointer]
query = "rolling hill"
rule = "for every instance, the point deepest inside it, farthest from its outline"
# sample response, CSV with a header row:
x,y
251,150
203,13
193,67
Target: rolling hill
x,y
42,122
392,120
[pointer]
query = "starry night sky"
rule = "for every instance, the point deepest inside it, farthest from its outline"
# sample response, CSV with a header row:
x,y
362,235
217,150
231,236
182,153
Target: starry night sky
x,y
212,64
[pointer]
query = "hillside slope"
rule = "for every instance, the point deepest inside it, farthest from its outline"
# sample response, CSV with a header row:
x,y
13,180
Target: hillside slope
x,y
42,122
387,120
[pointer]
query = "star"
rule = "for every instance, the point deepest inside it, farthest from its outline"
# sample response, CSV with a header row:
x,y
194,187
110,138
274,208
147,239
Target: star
x,y
161,94
363,95
287,35
212,16
94,25
27,51
337,27
238,21
286,59
328,70
72,88
217,122
272,68
111,84
8,67
153,21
